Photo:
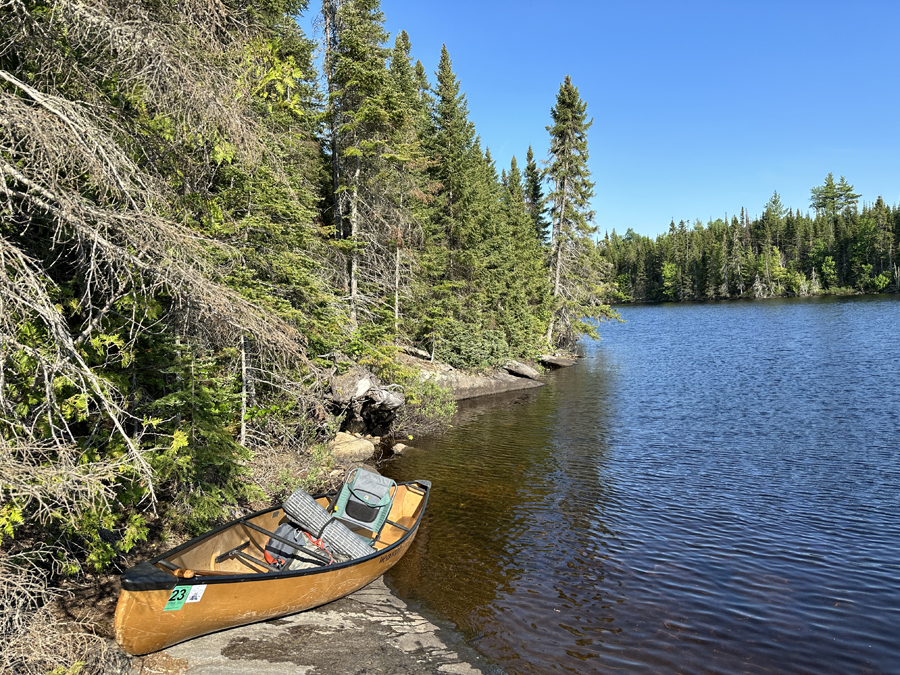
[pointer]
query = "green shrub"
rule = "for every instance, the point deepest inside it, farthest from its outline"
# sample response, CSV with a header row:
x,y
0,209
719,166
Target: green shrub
x,y
428,408
464,346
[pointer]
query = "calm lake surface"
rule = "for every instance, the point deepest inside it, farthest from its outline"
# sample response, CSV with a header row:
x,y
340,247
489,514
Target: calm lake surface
x,y
714,488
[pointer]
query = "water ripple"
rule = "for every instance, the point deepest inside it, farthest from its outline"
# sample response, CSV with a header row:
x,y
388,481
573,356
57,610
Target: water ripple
x,y
713,489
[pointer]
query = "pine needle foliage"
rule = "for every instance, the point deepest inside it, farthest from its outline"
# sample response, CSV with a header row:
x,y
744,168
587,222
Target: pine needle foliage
x,y
580,287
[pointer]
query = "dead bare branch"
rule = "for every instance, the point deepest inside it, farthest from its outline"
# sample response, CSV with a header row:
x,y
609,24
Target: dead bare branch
x,y
34,641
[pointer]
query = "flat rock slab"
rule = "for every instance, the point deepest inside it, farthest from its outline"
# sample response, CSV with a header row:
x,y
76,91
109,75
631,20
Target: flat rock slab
x,y
469,386
522,370
368,632
465,385
557,361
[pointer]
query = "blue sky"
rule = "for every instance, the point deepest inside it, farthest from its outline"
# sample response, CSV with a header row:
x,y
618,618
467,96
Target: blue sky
x,y
700,107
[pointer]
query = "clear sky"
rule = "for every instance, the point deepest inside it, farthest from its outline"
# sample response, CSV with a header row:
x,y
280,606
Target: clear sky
x,y
700,107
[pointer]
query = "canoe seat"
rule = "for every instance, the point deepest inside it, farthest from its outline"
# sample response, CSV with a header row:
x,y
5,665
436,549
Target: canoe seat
x,y
364,502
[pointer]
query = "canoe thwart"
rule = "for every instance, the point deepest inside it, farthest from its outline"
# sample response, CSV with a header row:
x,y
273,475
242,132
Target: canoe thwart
x,y
228,554
250,561
402,527
419,489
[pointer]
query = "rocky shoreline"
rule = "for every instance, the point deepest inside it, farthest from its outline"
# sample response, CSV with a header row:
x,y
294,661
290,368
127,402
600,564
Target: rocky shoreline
x,y
372,630
372,405
464,384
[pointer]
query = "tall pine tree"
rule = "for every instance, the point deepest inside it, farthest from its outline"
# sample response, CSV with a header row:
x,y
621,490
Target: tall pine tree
x,y
452,150
404,183
579,285
374,139
534,197
447,253
523,296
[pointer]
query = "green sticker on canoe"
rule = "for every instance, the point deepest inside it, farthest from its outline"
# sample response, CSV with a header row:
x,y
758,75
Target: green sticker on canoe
x,y
176,600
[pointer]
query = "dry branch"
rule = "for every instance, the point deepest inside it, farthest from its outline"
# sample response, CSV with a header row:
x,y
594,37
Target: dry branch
x,y
87,193
34,641
75,175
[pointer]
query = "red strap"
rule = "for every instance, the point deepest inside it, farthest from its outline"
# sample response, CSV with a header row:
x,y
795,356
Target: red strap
x,y
269,558
319,544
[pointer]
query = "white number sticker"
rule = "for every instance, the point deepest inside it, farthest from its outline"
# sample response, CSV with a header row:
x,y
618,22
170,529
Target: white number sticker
x,y
196,593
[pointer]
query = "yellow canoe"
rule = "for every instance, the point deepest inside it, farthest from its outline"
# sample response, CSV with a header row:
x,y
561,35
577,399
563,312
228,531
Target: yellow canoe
x,y
198,588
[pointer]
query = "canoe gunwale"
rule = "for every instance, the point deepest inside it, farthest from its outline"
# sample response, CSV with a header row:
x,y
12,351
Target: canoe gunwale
x,y
149,577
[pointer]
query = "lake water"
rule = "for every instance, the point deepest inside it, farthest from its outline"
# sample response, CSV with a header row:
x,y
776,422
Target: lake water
x,y
714,488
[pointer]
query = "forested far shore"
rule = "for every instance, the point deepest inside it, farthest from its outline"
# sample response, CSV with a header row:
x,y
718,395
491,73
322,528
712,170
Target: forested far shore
x,y
840,249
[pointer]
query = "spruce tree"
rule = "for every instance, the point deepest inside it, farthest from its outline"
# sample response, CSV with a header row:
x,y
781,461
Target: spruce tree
x,y
579,286
534,197
408,84
452,150
405,185
423,85
401,70
480,252
370,145
454,156
523,300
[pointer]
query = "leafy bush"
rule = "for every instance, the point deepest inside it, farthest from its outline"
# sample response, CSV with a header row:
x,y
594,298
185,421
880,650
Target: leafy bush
x,y
428,408
464,346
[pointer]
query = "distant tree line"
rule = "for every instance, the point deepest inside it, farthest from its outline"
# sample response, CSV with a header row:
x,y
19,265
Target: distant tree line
x,y
839,249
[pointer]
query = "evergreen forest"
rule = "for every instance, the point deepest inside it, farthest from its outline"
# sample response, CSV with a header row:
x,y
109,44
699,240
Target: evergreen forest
x,y
206,215
841,249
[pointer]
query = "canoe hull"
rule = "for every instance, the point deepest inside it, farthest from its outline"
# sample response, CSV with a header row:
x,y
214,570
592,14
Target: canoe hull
x,y
142,625
153,615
